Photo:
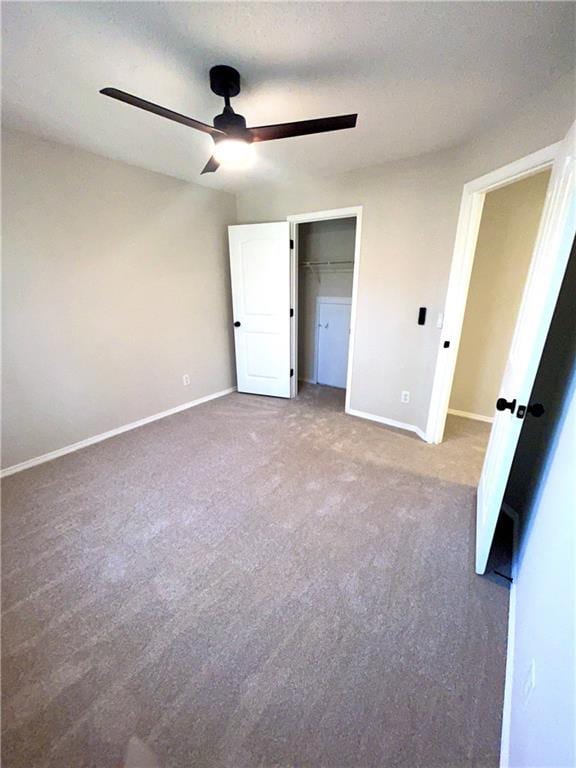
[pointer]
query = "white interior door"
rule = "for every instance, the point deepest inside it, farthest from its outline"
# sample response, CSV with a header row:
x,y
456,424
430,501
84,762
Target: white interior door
x,y
332,340
551,253
260,274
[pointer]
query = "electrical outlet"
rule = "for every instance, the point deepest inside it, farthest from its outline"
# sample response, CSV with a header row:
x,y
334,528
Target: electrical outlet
x,y
530,681
405,396
186,379
440,320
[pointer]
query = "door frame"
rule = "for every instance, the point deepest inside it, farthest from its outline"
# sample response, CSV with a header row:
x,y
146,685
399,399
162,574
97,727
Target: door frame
x,y
300,218
467,231
326,300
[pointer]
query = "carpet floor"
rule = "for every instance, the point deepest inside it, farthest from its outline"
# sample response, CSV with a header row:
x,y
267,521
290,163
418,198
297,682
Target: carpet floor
x,y
253,583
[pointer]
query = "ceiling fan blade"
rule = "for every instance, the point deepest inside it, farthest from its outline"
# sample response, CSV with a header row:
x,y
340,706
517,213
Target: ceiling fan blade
x,y
302,127
211,166
135,101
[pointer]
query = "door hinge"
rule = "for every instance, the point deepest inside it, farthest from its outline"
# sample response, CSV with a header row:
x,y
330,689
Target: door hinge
x,y
291,244
291,372
291,312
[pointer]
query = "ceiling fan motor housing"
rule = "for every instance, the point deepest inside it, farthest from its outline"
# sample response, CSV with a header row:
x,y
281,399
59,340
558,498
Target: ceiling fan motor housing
x,y
231,123
225,81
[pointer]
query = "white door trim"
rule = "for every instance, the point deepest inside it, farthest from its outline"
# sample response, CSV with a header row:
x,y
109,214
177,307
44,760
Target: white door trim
x,y
294,305
335,213
324,300
471,206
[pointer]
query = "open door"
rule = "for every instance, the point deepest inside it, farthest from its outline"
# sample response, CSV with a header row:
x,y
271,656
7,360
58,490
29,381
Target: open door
x,y
551,253
260,274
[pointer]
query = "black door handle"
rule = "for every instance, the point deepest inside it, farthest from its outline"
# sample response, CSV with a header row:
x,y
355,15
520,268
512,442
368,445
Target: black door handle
x,y
237,324
503,405
535,410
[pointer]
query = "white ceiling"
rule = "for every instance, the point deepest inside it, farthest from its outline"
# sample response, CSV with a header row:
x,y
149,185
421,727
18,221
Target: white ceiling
x,y
422,76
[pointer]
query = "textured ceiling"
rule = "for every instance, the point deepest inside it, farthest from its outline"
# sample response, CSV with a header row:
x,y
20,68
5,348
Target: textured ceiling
x,y
422,76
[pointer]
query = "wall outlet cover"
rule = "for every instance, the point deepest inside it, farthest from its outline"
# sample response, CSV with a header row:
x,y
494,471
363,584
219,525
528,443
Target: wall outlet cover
x,y
405,396
186,379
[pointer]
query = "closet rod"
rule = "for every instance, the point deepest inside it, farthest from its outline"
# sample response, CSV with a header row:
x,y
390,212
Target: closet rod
x,y
323,263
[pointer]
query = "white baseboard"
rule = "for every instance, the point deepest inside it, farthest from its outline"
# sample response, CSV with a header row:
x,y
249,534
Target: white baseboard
x,y
388,422
467,415
111,433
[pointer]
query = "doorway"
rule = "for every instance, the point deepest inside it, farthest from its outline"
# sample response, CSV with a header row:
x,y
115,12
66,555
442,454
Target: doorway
x,y
325,281
326,250
508,229
264,269
539,297
471,208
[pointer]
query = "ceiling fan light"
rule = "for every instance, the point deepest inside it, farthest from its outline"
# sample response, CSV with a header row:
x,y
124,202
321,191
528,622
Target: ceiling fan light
x,y
235,154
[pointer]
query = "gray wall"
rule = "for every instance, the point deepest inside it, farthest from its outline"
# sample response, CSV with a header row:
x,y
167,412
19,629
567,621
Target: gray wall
x,y
115,284
320,241
542,731
410,210
506,239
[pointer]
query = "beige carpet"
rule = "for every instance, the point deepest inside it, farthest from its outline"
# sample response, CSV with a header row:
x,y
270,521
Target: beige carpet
x,y
253,583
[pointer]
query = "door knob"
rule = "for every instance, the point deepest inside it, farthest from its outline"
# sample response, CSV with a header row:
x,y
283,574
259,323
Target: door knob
x,y
503,405
237,324
536,410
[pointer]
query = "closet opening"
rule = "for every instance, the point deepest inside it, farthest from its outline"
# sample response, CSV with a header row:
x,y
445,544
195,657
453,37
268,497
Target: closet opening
x,y
325,267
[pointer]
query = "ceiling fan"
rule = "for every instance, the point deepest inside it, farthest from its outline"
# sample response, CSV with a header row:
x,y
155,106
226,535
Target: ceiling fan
x,y
232,138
